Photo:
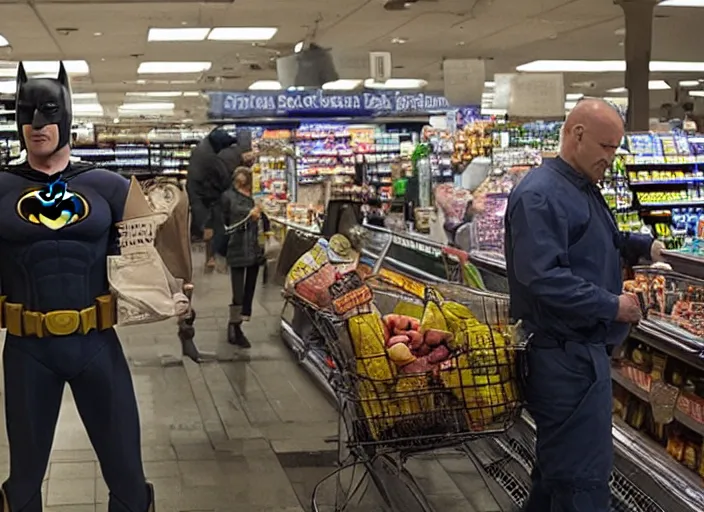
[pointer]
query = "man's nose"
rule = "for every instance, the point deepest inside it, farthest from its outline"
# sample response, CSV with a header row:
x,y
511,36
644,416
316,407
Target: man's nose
x,y
39,120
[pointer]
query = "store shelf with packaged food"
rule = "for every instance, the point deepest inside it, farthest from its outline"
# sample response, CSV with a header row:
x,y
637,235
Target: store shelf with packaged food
x,y
274,172
663,172
139,152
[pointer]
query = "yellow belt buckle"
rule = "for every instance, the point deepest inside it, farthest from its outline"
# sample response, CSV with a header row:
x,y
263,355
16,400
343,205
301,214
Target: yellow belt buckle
x,y
62,322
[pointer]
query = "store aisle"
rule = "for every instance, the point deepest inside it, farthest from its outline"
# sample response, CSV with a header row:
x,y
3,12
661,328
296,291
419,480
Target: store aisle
x,y
246,433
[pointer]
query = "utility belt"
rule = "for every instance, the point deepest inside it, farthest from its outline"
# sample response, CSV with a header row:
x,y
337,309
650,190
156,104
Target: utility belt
x,y
20,322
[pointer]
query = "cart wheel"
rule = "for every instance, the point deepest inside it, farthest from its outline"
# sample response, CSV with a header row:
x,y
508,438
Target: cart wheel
x,y
398,488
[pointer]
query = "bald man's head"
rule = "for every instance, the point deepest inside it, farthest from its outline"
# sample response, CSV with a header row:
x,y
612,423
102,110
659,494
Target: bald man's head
x,y
591,135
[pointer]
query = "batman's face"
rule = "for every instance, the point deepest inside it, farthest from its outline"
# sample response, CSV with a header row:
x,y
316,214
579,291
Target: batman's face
x,y
43,112
52,206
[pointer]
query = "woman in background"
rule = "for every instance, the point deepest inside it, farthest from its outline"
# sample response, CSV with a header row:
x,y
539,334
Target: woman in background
x,y
244,253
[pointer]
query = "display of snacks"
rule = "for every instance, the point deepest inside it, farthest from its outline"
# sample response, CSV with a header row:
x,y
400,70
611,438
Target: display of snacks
x,y
433,378
671,301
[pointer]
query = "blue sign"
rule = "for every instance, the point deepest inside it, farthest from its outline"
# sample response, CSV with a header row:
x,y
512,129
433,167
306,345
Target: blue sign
x,y
228,105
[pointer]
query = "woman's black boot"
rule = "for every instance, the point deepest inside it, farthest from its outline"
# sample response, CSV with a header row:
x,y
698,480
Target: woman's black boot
x,y
235,336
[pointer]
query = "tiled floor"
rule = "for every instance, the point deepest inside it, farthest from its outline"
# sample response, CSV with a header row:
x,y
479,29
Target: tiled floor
x,y
247,433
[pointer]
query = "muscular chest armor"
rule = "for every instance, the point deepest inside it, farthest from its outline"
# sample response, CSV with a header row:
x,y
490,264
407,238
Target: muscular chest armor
x,y
54,239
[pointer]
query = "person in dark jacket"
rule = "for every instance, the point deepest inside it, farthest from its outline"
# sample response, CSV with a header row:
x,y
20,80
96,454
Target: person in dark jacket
x,y
564,256
244,253
208,177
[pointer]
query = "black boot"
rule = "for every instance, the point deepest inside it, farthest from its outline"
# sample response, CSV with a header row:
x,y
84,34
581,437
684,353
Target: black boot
x,y
235,336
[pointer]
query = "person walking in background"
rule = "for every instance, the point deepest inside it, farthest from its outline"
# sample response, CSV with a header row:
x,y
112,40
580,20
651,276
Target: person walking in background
x,y
564,258
208,177
244,253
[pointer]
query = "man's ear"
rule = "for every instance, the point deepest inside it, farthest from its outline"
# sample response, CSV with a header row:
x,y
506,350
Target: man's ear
x,y
578,132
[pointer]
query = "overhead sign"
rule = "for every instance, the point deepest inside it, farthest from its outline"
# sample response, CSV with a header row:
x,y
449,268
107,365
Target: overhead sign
x,y
464,81
227,105
530,95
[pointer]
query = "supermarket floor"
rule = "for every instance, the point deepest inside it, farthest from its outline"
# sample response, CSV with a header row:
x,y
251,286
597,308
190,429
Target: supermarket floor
x,y
246,433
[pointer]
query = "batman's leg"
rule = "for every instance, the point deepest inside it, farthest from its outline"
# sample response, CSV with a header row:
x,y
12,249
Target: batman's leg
x,y
105,398
32,401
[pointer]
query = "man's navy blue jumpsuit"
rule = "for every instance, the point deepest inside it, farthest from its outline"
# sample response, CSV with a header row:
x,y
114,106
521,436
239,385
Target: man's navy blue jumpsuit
x,y
563,257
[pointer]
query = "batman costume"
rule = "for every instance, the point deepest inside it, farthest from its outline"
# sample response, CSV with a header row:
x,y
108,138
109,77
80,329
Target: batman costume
x,y
56,232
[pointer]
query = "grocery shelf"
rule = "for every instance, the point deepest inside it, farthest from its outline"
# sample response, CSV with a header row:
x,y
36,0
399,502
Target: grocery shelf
x,y
649,333
631,386
650,460
688,264
689,422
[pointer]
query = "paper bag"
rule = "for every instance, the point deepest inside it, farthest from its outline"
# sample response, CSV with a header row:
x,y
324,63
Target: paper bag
x,y
144,288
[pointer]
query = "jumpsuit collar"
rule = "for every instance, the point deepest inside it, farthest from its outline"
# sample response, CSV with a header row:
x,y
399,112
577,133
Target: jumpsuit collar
x,y
575,177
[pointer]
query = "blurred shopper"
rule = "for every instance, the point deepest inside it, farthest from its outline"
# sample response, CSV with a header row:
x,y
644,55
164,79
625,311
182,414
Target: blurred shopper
x,y
244,253
208,177
563,256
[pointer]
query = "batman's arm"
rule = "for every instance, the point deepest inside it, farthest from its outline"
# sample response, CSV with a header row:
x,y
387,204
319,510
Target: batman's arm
x,y
117,201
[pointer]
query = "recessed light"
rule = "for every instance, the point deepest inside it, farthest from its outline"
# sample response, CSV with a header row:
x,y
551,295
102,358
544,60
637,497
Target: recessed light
x,y
399,40
682,3
265,85
461,43
97,34
242,33
299,47
133,107
45,67
574,96
162,94
396,83
177,34
605,66
620,32
153,68
653,85
689,83
697,94
342,85
102,59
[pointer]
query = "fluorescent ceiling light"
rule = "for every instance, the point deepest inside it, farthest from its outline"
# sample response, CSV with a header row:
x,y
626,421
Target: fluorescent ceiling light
x,y
50,68
697,94
192,94
574,96
4,42
653,85
569,105
8,87
132,107
342,85
605,66
489,85
177,34
265,85
154,68
682,3
396,83
162,94
78,96
88,108
242,33
689,83
493,112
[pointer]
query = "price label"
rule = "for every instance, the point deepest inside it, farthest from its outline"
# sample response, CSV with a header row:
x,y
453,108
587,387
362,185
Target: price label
x,y
349,293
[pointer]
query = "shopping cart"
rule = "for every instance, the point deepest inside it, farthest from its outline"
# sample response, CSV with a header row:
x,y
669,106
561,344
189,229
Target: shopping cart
x,y
387,416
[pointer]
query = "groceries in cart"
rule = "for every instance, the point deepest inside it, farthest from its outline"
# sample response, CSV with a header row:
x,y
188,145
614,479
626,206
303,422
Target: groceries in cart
x,y
421,370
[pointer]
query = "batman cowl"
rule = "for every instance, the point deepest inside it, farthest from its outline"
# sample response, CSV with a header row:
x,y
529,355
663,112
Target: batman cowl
x,y
42,102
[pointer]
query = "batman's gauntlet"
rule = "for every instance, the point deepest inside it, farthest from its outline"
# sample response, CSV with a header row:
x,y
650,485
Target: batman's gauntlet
x,y
144,288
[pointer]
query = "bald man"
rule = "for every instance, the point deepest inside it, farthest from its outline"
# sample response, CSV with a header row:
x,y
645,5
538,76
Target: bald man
x,y
564,257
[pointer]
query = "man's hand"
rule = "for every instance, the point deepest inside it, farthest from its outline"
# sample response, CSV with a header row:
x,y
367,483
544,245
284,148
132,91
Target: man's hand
x,y
207,234
656,251
628,309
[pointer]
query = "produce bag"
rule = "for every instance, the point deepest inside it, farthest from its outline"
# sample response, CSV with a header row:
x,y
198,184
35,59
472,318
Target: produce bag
x,y
145,289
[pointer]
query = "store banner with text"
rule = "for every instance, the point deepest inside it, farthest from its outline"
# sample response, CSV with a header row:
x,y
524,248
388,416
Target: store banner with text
x,y
229,105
